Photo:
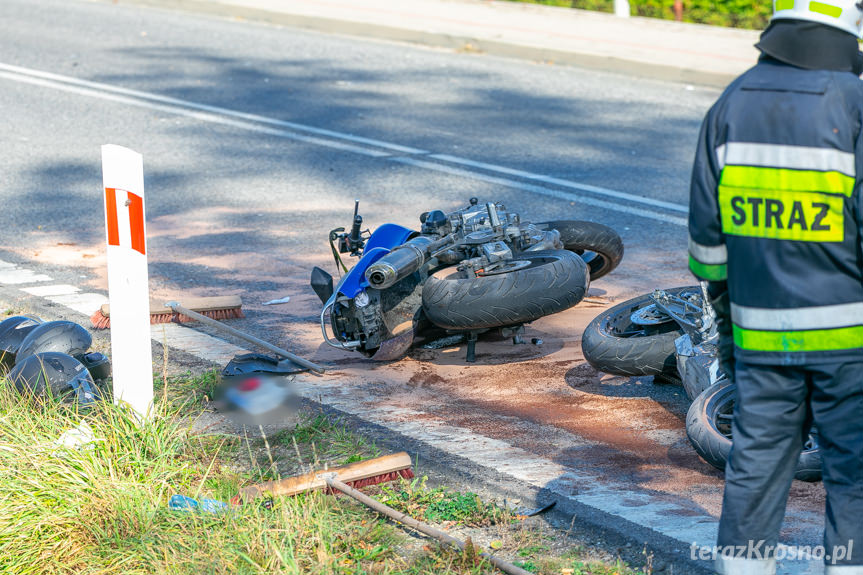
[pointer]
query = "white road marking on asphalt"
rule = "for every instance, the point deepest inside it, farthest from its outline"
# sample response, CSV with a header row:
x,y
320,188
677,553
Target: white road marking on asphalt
x,y
563,183
85,303
214,109
252,122
56,289
551,192
205,117
21,276
195,342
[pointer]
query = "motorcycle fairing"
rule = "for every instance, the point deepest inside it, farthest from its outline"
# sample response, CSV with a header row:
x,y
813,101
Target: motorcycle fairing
x,y
388,236
381,242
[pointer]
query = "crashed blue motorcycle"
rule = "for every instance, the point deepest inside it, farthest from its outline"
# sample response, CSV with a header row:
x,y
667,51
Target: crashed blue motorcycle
x,y
469,271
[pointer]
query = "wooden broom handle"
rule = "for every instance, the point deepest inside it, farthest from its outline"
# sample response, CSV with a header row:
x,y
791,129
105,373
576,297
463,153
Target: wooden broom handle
x,y
405,519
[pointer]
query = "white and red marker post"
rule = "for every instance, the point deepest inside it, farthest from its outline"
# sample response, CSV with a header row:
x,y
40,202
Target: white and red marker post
x,y
128,289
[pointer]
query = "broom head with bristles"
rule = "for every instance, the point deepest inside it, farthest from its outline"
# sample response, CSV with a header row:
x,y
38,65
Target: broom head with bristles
x,y
360,474
219,308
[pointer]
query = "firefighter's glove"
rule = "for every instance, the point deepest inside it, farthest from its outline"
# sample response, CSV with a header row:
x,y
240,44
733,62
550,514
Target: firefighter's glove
x,y
718,292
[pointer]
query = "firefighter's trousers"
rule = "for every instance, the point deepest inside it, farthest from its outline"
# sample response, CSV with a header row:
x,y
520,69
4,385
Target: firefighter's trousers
x,y
775,406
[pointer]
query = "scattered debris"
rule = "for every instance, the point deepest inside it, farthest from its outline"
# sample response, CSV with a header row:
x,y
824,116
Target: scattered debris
x,y
77,437
447,341
189,505
285,299
531,512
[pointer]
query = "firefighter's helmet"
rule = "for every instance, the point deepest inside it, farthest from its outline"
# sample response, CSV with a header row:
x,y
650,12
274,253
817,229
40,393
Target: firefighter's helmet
x,y
846,15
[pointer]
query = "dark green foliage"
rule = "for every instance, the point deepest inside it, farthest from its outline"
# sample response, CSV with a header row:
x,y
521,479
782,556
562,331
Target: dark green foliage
x,y
731,13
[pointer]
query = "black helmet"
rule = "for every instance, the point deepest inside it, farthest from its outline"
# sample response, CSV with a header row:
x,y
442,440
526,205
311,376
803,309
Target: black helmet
x,y
13,330
62,336
58,372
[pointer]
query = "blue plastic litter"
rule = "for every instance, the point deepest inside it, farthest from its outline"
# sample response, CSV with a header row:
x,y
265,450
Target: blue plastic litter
x,y
188,505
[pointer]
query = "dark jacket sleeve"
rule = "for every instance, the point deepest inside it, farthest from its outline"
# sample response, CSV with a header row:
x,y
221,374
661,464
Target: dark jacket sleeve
x,y
707,253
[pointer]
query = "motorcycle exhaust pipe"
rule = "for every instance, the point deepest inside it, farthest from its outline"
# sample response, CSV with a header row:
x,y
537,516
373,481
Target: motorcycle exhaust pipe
x,y
403,261
399,263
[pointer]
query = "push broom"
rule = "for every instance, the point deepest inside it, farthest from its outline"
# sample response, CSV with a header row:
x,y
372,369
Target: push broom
x,y
370,472
219,308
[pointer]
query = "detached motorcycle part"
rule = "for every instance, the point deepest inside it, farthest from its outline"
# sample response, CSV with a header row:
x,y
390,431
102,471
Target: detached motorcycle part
x,y
635,337
395,347
708,425
249,363
177,308
57,374
97,364
61,336
599,246
13,330
322,284
550,282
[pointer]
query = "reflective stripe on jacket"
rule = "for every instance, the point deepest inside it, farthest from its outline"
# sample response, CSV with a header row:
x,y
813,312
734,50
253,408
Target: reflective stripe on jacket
x,y
775,211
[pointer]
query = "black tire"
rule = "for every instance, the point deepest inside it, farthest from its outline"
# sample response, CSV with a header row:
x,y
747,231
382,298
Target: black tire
x,y
599,246
708,425
613,344
551,281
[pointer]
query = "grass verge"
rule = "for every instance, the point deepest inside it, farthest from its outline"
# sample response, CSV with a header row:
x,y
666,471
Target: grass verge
x,y
103,508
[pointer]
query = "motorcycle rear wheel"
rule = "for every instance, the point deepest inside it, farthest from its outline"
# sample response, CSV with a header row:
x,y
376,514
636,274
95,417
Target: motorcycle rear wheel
x,y
708,426
612,343
598,245
532,285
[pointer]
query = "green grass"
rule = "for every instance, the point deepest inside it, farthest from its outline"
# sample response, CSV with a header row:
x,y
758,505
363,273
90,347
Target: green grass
x,y
102,509
318,439
440,505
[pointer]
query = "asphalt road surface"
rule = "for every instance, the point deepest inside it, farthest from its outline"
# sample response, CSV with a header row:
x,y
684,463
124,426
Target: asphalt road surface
x,y
256,141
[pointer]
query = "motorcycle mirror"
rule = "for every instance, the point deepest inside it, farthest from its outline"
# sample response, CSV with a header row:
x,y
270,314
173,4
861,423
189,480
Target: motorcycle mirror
x,y
322,283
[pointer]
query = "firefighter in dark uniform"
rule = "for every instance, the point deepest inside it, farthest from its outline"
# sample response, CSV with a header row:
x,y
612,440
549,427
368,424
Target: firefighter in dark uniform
x,y
776,228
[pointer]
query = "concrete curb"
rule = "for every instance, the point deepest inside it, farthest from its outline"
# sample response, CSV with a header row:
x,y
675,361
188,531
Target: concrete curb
x,y
462,43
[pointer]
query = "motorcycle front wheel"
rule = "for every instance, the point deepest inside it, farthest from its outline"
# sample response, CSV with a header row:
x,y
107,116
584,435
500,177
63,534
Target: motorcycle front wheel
x,y
708,426
635,337
598,245
517,291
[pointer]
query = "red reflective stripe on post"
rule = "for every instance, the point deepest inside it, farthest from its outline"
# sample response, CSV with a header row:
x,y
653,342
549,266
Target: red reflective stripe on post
x,y
111,216
136,222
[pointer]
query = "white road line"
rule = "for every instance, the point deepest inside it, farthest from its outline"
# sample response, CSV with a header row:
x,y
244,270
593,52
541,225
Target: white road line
x,y
347,142
203,116
85,303
195,342
97,86
21,276
56,289
550,192
563,183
